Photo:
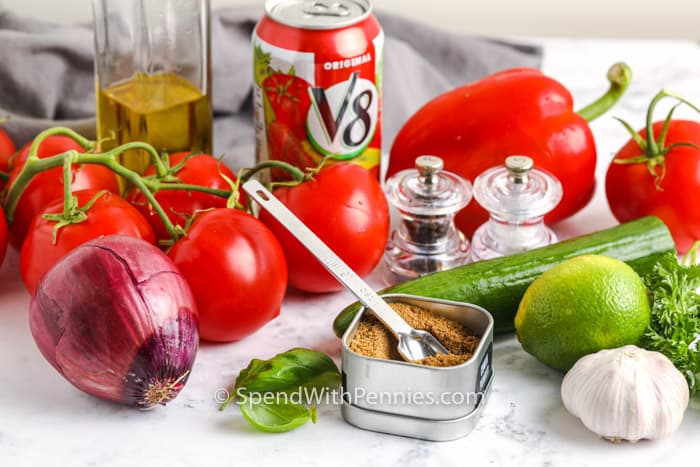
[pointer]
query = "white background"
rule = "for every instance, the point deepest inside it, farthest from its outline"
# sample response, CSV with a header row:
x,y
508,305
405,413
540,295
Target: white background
x,y
571,18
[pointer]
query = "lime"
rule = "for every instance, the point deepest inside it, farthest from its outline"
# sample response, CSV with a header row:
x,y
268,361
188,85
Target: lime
x,y
581,306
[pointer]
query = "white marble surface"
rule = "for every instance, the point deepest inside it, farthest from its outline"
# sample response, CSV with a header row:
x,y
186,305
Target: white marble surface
x,y
45,421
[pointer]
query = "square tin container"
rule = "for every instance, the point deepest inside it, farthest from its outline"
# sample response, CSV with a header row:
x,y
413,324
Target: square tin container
x,y
418,401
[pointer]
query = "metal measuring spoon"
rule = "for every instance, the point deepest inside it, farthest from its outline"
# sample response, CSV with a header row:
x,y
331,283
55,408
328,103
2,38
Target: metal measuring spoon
x,y
414,344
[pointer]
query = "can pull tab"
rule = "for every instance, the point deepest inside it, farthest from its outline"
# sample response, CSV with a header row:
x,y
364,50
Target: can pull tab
x,y
316,8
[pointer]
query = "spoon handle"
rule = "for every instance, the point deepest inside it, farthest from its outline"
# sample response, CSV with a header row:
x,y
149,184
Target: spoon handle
x,y
341,271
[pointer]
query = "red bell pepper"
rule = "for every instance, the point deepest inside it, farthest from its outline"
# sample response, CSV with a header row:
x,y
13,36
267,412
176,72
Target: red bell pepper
x,y
518,111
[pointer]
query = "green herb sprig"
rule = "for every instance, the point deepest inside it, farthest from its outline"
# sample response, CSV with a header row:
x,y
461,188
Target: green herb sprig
x,y
675,314
262,389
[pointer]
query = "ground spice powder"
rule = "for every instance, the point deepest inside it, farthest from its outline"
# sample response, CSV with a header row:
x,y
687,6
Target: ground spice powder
x,y
372,339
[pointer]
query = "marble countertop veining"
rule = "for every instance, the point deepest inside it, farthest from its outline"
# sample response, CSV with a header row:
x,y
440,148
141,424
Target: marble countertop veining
x,y
45,421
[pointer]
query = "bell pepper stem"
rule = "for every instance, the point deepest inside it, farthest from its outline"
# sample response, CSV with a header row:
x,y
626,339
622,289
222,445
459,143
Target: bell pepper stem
x,y
620,77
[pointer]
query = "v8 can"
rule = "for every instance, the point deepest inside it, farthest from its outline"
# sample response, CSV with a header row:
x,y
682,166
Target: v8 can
x,y
317,90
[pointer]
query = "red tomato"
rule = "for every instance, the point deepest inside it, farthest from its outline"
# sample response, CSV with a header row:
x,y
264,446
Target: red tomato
x,y
51,146
289,98
7,149
47,186
285,146
110,214
345,206
632,191
179,205
236,270
3,236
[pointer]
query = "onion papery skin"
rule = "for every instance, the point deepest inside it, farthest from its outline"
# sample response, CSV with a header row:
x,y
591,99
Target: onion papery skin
x,y
117,319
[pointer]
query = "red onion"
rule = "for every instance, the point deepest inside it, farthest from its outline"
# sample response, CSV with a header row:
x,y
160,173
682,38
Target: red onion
x,y
118,321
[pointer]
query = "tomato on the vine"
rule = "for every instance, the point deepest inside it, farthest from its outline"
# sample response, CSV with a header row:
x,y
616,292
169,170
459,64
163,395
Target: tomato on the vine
x,y
633,191
52,145
345,206
657,172
285,146
236,270
3,236
47,186
109,214
180,205
289,98
7,149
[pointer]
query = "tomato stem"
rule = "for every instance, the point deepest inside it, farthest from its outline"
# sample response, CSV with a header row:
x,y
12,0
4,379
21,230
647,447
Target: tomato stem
x,y
34,166
147,185
232,202
295,172
75,216
620,77
653,149
181,165
109,159
157,185
72,213
161,168
69,201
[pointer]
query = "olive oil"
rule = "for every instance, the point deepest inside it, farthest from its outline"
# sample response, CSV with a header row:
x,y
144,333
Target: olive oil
x,y
162,109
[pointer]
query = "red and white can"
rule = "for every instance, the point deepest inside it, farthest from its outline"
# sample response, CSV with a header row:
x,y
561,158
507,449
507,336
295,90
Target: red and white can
x,y
317,83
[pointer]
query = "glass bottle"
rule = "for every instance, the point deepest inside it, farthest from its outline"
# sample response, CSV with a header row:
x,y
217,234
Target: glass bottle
x,y
517,197
153,76
426,239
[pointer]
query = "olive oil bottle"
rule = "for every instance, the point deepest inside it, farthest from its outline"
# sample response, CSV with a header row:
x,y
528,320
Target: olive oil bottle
x,y
162,109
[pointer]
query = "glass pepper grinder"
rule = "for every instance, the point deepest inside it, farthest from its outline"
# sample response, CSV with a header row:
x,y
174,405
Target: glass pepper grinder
x,y
426,239
517,197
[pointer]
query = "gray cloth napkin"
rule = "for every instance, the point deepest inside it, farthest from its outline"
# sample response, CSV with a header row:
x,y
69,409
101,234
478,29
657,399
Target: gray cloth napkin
x,y
46,74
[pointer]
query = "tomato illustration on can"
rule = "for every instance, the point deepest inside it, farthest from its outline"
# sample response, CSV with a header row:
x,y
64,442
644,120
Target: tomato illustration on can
x,y
317,89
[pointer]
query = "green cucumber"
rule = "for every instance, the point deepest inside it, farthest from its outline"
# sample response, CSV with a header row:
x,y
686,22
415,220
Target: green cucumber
x,y
499,284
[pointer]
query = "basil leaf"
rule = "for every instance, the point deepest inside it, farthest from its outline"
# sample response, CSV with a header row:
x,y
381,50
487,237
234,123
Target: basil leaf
x,y
277,418
258,385
288,371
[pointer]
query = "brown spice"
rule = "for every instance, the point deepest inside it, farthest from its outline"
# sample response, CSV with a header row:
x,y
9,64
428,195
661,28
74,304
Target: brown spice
x,y
372,339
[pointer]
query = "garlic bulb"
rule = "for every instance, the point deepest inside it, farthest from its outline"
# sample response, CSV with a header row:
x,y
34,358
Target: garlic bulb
x,y
626,394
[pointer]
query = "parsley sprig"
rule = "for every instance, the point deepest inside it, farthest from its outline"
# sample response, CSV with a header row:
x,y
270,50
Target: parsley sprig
x,y
675,314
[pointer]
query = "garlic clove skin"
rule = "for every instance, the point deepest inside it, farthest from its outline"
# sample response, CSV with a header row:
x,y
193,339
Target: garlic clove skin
x,y
626,394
